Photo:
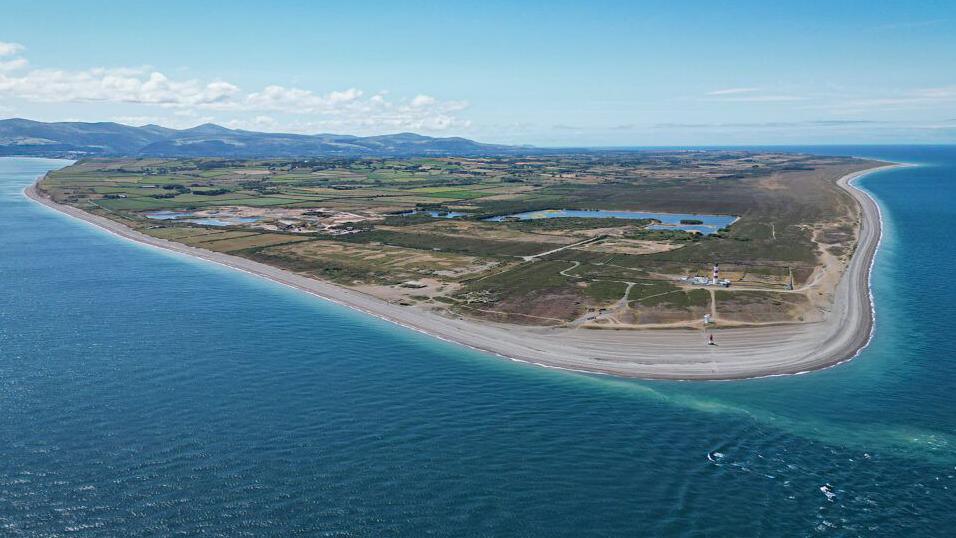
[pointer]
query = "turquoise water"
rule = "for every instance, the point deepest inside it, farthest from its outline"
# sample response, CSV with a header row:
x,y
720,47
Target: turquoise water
x,y
669,221
145,393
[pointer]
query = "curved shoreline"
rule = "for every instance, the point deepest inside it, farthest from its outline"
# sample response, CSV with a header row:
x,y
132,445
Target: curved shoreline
x,y
742,353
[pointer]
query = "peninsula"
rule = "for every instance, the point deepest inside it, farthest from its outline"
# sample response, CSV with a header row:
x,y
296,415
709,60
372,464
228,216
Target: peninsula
x,y
623,263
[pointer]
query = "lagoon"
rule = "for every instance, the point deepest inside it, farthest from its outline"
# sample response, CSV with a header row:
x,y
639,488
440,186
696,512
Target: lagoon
x,y
185,216
670,221
434,214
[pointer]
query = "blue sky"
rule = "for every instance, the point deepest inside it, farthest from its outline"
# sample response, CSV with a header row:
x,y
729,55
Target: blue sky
x,y
544,73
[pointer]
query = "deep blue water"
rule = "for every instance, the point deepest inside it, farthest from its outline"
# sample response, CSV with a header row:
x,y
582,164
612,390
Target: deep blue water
x,y
145,393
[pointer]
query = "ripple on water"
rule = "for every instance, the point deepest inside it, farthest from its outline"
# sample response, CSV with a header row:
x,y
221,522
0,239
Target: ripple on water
x,y
142,395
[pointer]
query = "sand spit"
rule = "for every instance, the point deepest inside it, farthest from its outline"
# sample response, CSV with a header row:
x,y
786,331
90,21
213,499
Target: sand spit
x,y
648,354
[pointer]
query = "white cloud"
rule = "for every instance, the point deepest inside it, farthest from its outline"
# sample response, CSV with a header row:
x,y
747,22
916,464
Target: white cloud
x,y
921,98
749,95
351,110
346,96
733,91
844,102
114,85
258,123
9,49
175,122
945,93
142,91
763,99
276,97
422,100
16,63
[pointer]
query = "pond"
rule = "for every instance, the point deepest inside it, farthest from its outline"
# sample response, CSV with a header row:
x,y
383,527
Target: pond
x,y
435,214
223,221
705,224
186,216
167,215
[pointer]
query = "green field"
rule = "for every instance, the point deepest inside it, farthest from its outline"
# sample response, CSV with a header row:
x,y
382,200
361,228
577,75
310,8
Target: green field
x,y
789,207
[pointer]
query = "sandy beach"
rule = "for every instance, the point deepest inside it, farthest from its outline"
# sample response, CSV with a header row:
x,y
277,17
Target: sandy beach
x,y
649,354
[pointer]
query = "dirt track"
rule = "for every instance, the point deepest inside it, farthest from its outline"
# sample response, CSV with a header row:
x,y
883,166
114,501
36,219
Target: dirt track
x,y
651,354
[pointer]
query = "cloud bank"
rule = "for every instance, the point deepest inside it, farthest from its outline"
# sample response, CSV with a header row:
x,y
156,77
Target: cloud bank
x,y
179,101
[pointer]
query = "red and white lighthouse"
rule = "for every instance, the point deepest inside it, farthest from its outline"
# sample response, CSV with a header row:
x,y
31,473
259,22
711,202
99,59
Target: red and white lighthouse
x,y
716,275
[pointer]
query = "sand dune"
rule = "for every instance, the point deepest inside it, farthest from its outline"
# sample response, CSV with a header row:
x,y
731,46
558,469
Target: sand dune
x,y
651,354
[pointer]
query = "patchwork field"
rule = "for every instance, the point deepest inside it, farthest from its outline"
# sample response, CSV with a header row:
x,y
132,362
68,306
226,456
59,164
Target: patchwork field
x,y
416,231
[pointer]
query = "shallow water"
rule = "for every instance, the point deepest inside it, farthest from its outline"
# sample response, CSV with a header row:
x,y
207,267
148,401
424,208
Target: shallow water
x,y
143,392
186,216
223,221
669,221
167,215
436,214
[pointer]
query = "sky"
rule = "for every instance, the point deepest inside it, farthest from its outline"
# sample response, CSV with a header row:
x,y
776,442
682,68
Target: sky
x,y
555,73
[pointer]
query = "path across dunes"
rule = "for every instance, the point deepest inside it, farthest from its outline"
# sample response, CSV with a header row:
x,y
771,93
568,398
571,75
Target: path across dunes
x,y
653,354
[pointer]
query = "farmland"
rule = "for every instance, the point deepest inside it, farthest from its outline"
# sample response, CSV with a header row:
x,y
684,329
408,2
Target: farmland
x,y
416,231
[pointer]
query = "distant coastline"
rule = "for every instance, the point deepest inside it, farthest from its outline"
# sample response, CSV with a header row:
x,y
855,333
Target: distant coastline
x,y
680,354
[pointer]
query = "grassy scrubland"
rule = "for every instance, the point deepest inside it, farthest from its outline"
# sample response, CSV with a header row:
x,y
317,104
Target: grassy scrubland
x,y
789,210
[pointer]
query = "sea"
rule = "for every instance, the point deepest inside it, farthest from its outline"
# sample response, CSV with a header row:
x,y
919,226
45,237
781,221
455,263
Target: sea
x,y
147,393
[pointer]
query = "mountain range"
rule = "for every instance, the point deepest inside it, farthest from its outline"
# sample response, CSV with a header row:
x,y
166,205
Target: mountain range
x,y
78,139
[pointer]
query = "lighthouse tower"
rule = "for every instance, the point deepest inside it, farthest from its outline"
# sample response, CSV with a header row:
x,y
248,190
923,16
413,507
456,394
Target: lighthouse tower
x,y
716,275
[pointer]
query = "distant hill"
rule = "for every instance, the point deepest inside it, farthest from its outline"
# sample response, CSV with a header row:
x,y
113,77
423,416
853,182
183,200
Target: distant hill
x,y
77,139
